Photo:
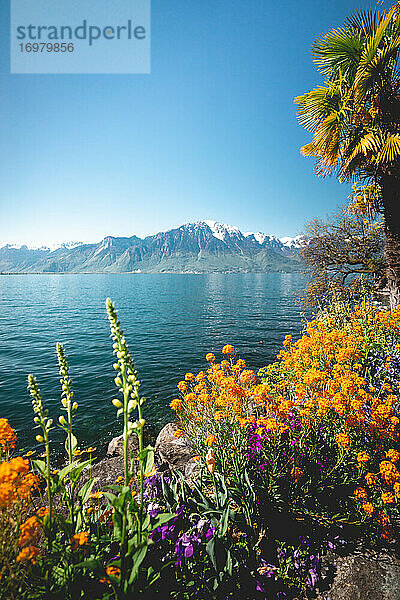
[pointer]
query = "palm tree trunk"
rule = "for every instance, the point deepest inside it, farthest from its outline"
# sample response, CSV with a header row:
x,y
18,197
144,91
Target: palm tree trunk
x,y
391,205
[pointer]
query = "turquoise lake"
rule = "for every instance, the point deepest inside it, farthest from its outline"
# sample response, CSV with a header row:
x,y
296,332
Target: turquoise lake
x,y
170,322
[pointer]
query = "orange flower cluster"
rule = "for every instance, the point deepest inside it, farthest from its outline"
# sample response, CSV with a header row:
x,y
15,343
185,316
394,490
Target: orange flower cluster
x,y
8,437
221,391
29,531
321,371
16,483
79,539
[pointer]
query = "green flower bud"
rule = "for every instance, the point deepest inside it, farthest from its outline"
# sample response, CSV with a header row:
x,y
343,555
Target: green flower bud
x,y
132,405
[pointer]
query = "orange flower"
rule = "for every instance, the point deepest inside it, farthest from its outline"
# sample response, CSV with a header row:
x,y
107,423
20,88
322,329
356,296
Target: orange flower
x,y
29,553
79,539
176,404
368,507
392,455
96,495
29,531
113,571
210,439
8,437
228,349
362,457
210,357
343,440
387,498
210,460
178,433
360,493
182,386
371,479
297,474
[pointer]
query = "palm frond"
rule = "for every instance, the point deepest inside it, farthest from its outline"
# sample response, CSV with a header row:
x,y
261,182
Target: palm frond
x,y
365,21
390,150
381,67
338,50
316,105
363,76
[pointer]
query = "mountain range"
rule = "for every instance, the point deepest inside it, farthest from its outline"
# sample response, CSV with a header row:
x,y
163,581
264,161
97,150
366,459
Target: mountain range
x,y
203,247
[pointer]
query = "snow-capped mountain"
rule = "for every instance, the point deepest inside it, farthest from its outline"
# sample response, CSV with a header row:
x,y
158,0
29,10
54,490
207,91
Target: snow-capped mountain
x,y
205,246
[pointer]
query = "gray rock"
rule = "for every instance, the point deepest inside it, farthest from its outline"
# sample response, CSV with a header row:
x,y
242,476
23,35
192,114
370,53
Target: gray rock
x,y
364,576
192,470
116,446
176,452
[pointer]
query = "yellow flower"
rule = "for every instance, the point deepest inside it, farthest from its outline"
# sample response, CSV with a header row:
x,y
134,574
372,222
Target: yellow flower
x,y
228,349
96,495
210,439
178,433
343,440
189,377
176,404
210,357
387,498
360,493
392,455
368,507
297,474
218,415
363,457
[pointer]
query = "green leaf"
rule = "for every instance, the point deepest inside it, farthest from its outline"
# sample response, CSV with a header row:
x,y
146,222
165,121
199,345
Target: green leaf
x,y
67,469
223,525
137,559
161,519
149,459
117,520
75,474
92,564
40,466
85,490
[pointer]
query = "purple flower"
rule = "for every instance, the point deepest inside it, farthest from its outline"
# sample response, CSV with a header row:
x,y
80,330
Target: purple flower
x,y
184,547
153,510
312,579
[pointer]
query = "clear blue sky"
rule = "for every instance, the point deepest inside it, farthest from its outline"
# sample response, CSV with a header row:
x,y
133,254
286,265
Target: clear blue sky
x,y
211,133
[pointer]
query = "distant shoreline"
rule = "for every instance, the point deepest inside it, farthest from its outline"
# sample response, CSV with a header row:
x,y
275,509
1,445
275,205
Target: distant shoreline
x,y
299,272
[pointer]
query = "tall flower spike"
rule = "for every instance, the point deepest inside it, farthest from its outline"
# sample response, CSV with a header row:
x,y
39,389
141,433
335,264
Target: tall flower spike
x,y
41,418
66,400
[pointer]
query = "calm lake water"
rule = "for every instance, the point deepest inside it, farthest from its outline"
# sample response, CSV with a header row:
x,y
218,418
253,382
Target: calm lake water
x,y
170,321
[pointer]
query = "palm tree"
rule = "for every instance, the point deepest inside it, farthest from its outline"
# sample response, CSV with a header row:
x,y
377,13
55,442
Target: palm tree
x,y
354,117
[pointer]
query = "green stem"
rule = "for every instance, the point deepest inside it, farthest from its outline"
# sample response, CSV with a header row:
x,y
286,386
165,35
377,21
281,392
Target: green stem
x,y
124,544
141,473
49,493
